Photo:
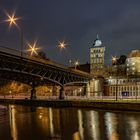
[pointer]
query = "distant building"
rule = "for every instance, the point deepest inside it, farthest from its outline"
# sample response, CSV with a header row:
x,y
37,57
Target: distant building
x,y
119,86
124,80
133,63
97,52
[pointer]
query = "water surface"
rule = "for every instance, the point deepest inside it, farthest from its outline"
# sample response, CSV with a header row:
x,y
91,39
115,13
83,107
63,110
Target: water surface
x,y
40,123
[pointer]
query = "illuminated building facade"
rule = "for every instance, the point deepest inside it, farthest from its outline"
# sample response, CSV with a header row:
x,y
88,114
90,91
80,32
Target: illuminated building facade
x,y
133,63
97,57
125,82
131,86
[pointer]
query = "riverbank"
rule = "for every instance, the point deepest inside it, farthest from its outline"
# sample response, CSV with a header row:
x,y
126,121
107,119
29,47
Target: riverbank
x,y
128,105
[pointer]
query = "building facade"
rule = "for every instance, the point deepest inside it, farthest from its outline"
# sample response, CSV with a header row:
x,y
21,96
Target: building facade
x,y
125,79
121,86
97,52
133,63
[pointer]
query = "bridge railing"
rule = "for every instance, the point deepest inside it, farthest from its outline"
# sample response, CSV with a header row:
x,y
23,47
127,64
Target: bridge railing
x,y
13,51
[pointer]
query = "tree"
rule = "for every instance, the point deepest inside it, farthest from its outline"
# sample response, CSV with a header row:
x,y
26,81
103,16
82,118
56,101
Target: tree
x,y
42,55
122,60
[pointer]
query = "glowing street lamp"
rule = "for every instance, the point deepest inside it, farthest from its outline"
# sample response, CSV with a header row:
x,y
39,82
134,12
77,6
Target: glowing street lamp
x,y
33,48
70,62
76,63
114,59
62,45
12,20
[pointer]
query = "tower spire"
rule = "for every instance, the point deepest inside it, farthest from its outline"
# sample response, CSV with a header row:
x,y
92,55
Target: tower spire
x,y
97,36
97,42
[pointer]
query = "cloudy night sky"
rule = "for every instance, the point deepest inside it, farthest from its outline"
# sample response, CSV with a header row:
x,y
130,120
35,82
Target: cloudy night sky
x,y
77,22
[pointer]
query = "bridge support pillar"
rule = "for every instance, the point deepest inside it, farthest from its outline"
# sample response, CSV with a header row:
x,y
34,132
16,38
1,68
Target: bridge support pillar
x,y
33,93
62,93
54,90
87,90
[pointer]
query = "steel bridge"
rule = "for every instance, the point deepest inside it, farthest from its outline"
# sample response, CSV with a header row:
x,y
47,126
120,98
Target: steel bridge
x,y
35,71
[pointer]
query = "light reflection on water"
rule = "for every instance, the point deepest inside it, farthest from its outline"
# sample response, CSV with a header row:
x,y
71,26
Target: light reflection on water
x,y
30,123
111,122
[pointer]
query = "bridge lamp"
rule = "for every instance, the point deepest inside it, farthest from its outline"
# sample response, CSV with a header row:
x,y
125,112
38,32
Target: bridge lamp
x,y
12,20
70,62
76,63
33,48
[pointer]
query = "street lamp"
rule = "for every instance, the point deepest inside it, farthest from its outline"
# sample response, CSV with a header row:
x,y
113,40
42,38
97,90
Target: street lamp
x,y
76,63
70,62
12,20
33,48
114,61
62,45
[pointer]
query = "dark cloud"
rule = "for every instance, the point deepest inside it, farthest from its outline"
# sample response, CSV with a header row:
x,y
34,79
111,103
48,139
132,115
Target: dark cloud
x,y
76,21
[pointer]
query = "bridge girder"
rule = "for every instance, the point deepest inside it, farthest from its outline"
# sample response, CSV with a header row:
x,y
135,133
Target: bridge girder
x,y
26,70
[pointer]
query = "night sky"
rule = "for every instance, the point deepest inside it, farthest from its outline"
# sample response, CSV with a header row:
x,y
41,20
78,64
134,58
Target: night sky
x,y
77,22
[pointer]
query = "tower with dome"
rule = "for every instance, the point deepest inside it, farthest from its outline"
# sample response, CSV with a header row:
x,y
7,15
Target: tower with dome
x,y
97,53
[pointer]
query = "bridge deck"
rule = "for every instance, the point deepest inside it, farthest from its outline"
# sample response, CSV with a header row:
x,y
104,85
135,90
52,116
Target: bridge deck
x,y
17,54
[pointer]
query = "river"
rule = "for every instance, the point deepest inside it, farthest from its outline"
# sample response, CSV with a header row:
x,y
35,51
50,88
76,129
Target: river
x,y
42,123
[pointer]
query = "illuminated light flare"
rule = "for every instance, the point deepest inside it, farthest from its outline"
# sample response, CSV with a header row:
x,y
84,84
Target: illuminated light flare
x,y
114,59
62,45
33,48
76,63
12,19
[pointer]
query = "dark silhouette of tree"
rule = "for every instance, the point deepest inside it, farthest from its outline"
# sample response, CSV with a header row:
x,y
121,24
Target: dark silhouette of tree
x,y
121,60
42,55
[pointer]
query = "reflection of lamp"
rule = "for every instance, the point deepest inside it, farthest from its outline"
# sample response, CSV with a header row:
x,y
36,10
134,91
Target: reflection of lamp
x,y
12,113
76,136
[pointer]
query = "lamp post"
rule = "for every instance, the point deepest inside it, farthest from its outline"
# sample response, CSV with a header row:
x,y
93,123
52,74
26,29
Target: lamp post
x,y
114,61
12,20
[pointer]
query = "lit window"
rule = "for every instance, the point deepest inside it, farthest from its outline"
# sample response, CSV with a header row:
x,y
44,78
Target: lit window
x,y
133,68
133,63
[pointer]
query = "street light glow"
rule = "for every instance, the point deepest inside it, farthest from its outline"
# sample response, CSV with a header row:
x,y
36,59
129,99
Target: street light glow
x,y
33,48
76,63
12,19
114,59
62,45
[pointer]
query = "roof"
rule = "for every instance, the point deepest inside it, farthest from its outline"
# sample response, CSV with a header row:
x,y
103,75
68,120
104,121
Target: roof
x,y
97,42
134,53
84,67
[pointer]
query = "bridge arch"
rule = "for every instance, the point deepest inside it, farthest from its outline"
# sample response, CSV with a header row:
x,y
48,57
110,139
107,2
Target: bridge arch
x,y
37,72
